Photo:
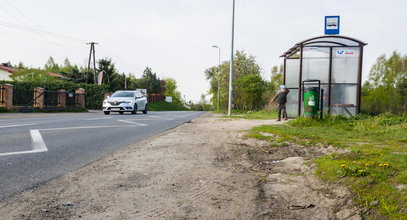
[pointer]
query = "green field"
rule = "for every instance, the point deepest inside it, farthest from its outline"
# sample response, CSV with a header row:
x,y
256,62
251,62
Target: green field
x,y
374,166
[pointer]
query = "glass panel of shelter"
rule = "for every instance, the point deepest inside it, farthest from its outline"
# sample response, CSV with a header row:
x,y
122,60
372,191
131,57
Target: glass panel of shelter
x,y
343,99
292,72
315,63
292,103
345,64
316,66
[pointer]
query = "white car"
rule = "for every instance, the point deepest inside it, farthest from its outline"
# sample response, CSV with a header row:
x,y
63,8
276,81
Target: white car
x,y
126,101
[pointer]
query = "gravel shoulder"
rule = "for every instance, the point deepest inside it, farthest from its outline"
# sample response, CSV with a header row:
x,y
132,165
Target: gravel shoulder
x,y
205,169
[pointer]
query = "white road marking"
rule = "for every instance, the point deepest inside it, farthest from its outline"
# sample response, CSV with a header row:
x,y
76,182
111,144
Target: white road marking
x,y
38,145
132,122
89,127
163,118
9,126
91,119
37,141
148,119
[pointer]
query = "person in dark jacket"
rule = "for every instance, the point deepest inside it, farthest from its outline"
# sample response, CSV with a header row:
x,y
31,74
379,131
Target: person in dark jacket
x,y
281,98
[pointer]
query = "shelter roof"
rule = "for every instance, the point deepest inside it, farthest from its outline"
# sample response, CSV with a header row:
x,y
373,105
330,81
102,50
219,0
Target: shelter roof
x,y
325,41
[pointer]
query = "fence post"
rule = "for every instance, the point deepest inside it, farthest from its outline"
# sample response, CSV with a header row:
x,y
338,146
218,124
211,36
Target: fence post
x,y
39,102
80,97
8,95
62,98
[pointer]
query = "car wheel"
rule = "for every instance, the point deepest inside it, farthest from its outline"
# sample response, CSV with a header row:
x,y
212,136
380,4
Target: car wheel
x,y
134,109
106,112
121,113
145,110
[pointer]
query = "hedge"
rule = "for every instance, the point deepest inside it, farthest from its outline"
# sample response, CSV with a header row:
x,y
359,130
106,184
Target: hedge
x,y
94,93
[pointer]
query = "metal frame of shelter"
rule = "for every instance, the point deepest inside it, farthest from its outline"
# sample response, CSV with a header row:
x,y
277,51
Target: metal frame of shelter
x,y
324,57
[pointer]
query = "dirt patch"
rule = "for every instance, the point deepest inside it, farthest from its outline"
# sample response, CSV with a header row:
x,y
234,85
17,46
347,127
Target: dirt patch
x,y
205,169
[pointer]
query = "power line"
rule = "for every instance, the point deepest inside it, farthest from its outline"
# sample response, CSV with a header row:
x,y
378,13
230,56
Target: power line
x,y
75,49
41,32
39,26
21,13
122,59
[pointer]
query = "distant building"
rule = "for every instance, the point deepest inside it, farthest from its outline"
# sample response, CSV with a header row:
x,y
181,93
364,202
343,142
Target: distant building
x,y
7,71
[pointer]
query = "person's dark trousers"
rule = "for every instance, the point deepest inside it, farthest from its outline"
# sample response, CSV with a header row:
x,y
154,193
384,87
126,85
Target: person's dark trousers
x,y
281,107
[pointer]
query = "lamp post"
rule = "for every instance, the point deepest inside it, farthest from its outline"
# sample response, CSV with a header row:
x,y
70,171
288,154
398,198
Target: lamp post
x,y
231,62
218,76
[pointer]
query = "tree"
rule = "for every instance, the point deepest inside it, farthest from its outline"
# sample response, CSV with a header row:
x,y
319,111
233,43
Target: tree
x,y
150,81
51,66
133,83
277,76
109,69
171,90
76,75
33,75
218,76
21,66
386,88
251,88
67,67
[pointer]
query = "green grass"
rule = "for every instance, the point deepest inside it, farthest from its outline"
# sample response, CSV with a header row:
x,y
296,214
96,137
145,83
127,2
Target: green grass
x,y
166,106
254,115
374,165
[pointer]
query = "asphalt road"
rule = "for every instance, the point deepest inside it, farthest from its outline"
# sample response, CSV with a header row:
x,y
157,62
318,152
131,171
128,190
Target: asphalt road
x,y
36,149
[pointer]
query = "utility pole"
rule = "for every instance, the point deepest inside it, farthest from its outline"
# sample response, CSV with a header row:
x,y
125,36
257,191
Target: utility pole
x,y
231,62
92,51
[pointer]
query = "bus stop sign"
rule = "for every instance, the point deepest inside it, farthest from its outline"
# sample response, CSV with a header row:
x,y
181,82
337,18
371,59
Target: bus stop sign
x,y
332,24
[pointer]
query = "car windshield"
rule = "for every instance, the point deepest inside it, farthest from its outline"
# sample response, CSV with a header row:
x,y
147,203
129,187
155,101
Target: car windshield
x,y
123,94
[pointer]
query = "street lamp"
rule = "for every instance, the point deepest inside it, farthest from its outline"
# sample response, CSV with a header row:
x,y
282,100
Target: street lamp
x,y
231,62
218,76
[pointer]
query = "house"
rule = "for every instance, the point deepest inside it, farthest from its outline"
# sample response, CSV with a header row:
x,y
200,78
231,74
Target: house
x,y
6,71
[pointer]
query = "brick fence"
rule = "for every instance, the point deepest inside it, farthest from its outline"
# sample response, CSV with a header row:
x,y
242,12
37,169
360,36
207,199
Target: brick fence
x,y
43,98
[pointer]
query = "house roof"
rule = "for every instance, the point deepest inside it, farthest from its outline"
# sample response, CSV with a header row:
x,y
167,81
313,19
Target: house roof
x,y
8,69
56,75
14,70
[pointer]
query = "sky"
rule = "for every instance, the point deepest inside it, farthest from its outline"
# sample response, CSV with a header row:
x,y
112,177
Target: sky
x,y
175,37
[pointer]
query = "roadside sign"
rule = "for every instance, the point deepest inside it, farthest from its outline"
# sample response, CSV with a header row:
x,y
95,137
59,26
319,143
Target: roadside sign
x,y
332,24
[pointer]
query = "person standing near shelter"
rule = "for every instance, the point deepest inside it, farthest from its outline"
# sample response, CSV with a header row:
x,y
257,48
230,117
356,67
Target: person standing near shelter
x,y
281,98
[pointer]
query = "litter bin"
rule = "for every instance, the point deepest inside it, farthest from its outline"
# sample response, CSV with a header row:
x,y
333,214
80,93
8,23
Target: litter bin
x,y
311,101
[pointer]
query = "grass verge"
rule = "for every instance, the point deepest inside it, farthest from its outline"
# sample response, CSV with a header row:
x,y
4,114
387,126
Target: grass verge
x,y
166,106
265,115
375,166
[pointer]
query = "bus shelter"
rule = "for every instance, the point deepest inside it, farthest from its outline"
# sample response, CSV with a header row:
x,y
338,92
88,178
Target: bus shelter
x,y
336,62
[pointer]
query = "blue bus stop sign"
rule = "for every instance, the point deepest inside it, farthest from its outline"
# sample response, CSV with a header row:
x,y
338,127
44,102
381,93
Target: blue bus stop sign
x,y
332,24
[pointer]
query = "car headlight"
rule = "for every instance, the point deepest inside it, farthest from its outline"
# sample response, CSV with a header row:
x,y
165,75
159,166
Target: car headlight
x,y
127,101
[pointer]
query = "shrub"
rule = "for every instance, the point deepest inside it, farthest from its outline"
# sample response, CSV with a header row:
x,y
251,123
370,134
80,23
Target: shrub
x,y
94,93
